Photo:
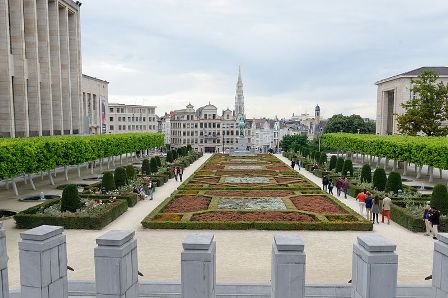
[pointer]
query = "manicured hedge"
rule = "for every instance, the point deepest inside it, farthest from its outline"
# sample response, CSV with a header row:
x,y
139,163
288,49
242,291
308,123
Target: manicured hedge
x,y
32,155
131,198
413,222
29,218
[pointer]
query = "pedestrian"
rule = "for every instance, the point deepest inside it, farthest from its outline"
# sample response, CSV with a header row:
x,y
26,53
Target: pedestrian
x,y
386,209
299,163
434,218
369,204
375,209
426,215
175,173
181,173
325,183
345,187
361,198
150,189
338,186
330,187
293,164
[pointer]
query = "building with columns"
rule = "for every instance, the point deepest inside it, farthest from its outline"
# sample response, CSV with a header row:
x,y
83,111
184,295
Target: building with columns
x,y
40,59
95,105
396,90
131,118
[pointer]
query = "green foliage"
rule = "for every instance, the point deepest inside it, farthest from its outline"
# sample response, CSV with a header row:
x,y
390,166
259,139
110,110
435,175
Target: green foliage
x,y
70,199
349,124
294,142
108,181
121,178
339,164
130,172
428,109
323,158
393,183
145,167
189,148
333,161
347,167
130,198
175,155
158,160
379,179
153,165
169,156
439,198
366,174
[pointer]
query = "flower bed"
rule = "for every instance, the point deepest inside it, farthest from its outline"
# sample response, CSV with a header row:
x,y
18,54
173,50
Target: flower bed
x,y
261,216
316,204
251,193
187,204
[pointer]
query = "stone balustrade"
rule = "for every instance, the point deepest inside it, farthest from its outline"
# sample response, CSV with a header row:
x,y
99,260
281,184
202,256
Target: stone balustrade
x,y
43,270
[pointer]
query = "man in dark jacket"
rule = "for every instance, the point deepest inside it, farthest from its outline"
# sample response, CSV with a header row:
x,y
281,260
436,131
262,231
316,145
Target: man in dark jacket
x,y
434,218
325,182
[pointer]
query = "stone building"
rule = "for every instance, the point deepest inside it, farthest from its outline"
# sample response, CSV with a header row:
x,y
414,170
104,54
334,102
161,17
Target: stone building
x,y
40,62
394,91
131,118
95,101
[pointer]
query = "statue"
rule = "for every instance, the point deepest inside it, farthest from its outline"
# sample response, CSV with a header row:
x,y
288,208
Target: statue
x,y
242,125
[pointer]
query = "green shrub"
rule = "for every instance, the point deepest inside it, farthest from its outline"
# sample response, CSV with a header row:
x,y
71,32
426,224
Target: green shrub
x,y
130,172
70,199
347,167
153,165
169,157
189,148
366,174
379,179
158,160
339,164
439,198
323,158
120,177
108,181
175,155
145,167
333,161
393,182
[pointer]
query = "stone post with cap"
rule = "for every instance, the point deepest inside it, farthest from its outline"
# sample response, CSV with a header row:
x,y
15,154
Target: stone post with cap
x,y
4,286
440,267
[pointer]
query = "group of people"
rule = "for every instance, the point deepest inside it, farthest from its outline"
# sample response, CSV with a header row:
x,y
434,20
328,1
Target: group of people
x,y
372,206
431,216
298,163
341,185
178,173
146,190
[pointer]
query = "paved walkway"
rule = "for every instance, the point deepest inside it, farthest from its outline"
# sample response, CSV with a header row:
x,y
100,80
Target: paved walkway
x,y
242,256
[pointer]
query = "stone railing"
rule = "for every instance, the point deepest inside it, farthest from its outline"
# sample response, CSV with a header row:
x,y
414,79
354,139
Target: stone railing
x,y
43,270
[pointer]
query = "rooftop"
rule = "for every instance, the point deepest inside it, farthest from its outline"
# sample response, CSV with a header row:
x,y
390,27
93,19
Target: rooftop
x,y
442,71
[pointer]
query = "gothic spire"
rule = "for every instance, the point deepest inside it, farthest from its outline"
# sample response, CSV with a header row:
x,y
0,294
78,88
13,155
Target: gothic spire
x,y
239,97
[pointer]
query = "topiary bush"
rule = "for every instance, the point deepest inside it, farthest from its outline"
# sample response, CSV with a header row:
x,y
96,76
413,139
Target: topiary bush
x,y
175,155
366,174
393,182
70,199
145,167
333,161
169,157
347,167
130,172
158,160
153,165
379,179
339,164
120,177
108,181
323,158
439,198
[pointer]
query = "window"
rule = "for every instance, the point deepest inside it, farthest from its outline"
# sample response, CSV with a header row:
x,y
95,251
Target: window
x,y
205,116
111,110
201,125
144,119
111,127
111,119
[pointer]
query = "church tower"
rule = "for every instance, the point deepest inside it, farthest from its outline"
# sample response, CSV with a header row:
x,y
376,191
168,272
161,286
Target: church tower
x,y
239,97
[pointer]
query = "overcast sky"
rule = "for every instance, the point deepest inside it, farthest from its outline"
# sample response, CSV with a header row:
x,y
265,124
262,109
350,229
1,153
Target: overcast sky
x,y
293,54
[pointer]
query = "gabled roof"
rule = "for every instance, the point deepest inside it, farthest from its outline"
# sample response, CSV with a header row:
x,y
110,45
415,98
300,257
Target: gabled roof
x,y
442,71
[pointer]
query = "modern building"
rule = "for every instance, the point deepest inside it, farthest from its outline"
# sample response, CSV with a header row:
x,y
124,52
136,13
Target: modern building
x,y
396,90
40,62
95,101
131,118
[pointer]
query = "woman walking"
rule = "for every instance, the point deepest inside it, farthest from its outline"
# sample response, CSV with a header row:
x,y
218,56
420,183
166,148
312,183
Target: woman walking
x,y
375,209
345,187
369,203
338,186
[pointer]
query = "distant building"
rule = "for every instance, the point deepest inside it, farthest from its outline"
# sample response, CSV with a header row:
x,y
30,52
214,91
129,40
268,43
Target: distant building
x,y
394,91
131,118
95,102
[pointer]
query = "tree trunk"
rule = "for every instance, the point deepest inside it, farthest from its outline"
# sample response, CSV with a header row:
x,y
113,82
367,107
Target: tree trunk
x,y
31,182
440,173
50,177
66,173
405,168
108,163
14,187
395,165
121,159
378,161
78,167
419,172
431,174
386,162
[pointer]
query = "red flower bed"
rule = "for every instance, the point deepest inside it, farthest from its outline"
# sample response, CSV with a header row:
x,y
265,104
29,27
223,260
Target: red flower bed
x,y
251,194
286,179
169,217
316,204
277,168
187,204
266,216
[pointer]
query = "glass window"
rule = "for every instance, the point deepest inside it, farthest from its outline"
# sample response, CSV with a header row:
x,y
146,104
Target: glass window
x,y
111,119
111,127
111,110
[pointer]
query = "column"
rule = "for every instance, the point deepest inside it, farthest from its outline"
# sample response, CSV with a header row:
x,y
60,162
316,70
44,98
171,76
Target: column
x,y
55,63
65,71
374,268
43,31
440,267
198,266
33,70
43,263
116,264
4,285
288,267
75,72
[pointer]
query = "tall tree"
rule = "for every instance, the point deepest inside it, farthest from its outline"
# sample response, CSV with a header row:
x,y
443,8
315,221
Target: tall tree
x,y
349,124
427,108
294,142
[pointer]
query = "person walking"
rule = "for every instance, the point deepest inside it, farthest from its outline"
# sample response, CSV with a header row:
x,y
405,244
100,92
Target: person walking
x,y
375,209
361,198
181,173
175,173
338,186
434,218
387,202
330,187
325,183
299,163
293,164
345,187
369,204
426,215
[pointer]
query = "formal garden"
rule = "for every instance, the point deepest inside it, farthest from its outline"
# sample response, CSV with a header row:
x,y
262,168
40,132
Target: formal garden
x,y
251,191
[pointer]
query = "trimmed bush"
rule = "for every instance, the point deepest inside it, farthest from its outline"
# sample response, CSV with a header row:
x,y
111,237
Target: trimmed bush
x,y
120,177
439,198
393,182
175,155
169,157
379,179
333,161
339,165
366,174
108,181
323,158
70,199
153,165
158,160
145,167
347,167
130,172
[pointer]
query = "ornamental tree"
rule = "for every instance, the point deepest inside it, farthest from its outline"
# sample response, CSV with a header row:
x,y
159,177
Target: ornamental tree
x,y
339,165
439,198
379,179
393,182
70,199
120,177
333,161
366,174
108,181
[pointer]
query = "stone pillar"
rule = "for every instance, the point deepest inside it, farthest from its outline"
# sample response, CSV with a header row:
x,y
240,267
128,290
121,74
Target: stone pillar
x,y
198,266
65,70
75,74
374,267
288,267
43,263
116,266
4,285
440,267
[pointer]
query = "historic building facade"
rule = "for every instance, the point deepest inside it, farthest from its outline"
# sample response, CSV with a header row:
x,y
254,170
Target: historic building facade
x,y
40,62
394,91
95,102
131,118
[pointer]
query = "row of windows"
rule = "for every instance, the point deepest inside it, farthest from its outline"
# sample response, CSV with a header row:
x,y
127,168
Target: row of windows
x,y
134,127
203,141
132,110
133,119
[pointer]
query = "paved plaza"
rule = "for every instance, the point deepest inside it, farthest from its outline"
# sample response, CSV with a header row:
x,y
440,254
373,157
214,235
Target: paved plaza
x,y
242,256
